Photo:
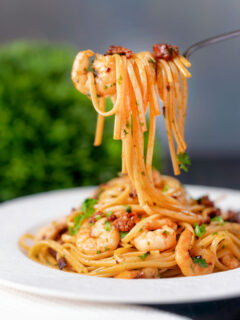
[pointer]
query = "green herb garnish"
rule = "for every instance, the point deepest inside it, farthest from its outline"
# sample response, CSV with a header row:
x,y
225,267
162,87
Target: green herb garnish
x,y
199,230
166,232
128,124
165,188
144,256
123,234
218,219
107,226
150,60
87,210
214,233
128,209
105,87
200,261
90,62
184,161
137,103
109,212
125,132
119,79
98,251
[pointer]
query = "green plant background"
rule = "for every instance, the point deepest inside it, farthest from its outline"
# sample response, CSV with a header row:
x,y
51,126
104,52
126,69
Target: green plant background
x,y
46,126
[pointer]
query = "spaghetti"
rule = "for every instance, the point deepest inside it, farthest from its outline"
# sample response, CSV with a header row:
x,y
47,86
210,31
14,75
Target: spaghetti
x,y
141,224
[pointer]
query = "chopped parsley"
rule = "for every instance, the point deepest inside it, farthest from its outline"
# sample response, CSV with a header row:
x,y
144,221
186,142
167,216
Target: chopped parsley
x,y
128,124
107,226
109,212
144,256
214,233
90,62
150,60
165,188
106,249
218,219
184,161
87,209
129,209
200,261
105,87
123,234
112,85
137,103
166,232
119,79
199,230
140,230
125,132
98,252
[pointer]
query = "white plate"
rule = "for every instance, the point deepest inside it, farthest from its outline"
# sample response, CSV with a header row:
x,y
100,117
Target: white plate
x,y
18,271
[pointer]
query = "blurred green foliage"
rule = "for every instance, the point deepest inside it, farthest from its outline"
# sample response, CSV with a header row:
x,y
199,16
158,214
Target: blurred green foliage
x,y
46,126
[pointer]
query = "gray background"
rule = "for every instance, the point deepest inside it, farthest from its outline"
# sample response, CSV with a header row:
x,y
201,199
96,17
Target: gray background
x,y
213,121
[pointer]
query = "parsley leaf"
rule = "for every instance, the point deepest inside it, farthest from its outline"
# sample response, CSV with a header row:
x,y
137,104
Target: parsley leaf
x,y
218,219
200,261
123,234
119,79
87,210
109,212
184,161
166,232
199,230
165,188
150,60
144,256
90,62
107,226
128,209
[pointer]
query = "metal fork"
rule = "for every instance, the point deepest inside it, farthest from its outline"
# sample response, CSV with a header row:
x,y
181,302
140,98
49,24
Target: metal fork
x,y
209,41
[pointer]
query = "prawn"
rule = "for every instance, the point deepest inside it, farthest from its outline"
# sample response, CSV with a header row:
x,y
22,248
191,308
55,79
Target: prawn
x,y
104,68
157,234
97,238
204,258
230,261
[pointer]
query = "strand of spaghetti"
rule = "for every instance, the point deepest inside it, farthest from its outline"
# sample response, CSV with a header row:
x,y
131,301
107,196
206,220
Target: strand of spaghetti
x,y
138,95
121,78
178,94
151,139
22,241
181,67
185,61
179,216
118,200
172,110
166,117
143,81
145,57
177,120
100,124
111,271
184,99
